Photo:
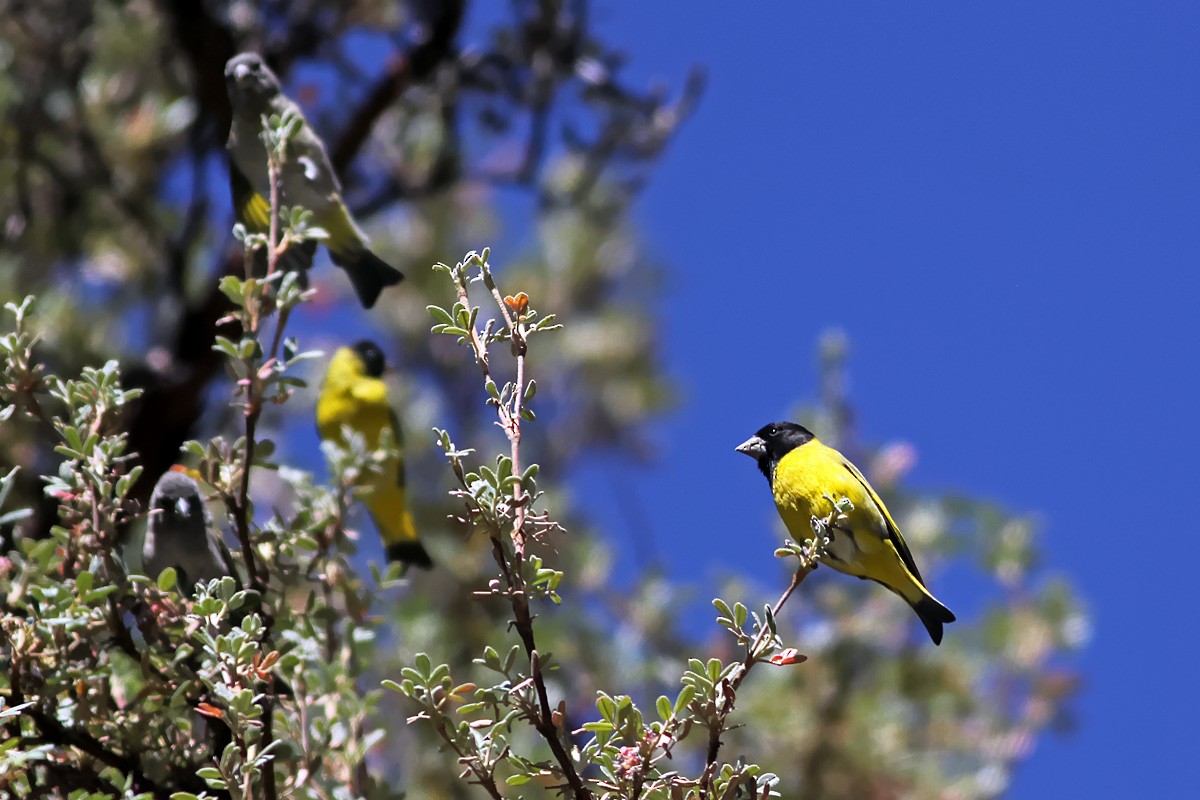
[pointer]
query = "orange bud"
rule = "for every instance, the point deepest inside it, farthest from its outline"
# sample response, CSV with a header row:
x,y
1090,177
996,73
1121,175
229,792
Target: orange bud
x,y
209,710
517,303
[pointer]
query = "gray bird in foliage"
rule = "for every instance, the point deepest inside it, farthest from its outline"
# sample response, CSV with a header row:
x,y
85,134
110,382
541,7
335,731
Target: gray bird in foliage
x,y
179,533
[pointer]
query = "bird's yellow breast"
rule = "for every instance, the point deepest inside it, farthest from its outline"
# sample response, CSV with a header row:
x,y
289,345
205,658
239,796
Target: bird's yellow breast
x,y
350,397
805,475
808,480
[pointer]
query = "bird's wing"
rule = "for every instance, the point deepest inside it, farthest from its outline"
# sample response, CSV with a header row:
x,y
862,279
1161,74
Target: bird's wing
x,y
894,535
226,559
307,149
252,208
398,440
254,211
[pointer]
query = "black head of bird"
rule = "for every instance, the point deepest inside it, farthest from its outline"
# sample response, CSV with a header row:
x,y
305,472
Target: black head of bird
x,y
372,357
772,442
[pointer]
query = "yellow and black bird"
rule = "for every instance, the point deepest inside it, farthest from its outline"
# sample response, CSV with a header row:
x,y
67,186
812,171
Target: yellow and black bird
x,y
307,179
353,395
867,544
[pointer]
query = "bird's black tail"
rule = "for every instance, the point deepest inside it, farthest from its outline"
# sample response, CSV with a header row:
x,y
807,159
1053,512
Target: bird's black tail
x,y
368,272
933,615
409,553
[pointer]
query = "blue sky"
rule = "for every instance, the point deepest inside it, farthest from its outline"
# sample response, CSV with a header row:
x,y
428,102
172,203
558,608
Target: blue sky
x,y
1000,205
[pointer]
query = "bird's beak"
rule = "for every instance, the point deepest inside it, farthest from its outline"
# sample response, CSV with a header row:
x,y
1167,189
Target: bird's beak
x,y
182,506
240,72
754,447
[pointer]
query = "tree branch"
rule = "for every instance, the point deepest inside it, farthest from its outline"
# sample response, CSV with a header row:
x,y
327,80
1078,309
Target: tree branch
x,y
510,422
731,684
403,71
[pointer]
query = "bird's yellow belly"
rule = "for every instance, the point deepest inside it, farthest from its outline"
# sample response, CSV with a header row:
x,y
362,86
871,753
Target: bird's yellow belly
x,y
335,411
802,494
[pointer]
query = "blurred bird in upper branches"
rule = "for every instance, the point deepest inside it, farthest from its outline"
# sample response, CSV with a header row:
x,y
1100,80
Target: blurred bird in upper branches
x,y
805,477
353,395
307,179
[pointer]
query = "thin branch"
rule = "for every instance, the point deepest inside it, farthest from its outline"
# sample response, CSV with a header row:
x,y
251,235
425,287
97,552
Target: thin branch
x,y
510,422
60,735
512,425
731,684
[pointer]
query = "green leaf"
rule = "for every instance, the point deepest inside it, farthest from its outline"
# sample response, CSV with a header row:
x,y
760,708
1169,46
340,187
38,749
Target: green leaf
x,y
233,287
423,665
598,727
440,314
685,699
98,594
606,707
167,579
511,658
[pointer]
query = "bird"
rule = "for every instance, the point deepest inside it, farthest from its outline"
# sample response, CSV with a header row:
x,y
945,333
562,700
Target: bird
x,y
179,533
353,394
806,476
307,179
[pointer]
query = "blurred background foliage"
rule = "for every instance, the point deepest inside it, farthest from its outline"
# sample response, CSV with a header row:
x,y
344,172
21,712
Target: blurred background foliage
x,y
454,128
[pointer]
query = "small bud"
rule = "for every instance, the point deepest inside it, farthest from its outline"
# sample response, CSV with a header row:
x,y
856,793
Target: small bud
x,y
517,303
209,710
788,656
628,761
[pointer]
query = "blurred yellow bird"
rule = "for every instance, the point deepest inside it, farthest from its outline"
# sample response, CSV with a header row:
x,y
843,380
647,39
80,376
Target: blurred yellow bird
x,y
867,544
353,395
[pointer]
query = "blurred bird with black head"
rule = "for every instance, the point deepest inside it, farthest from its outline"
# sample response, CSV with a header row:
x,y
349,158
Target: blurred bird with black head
x,y
353,394
307,179
803,473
